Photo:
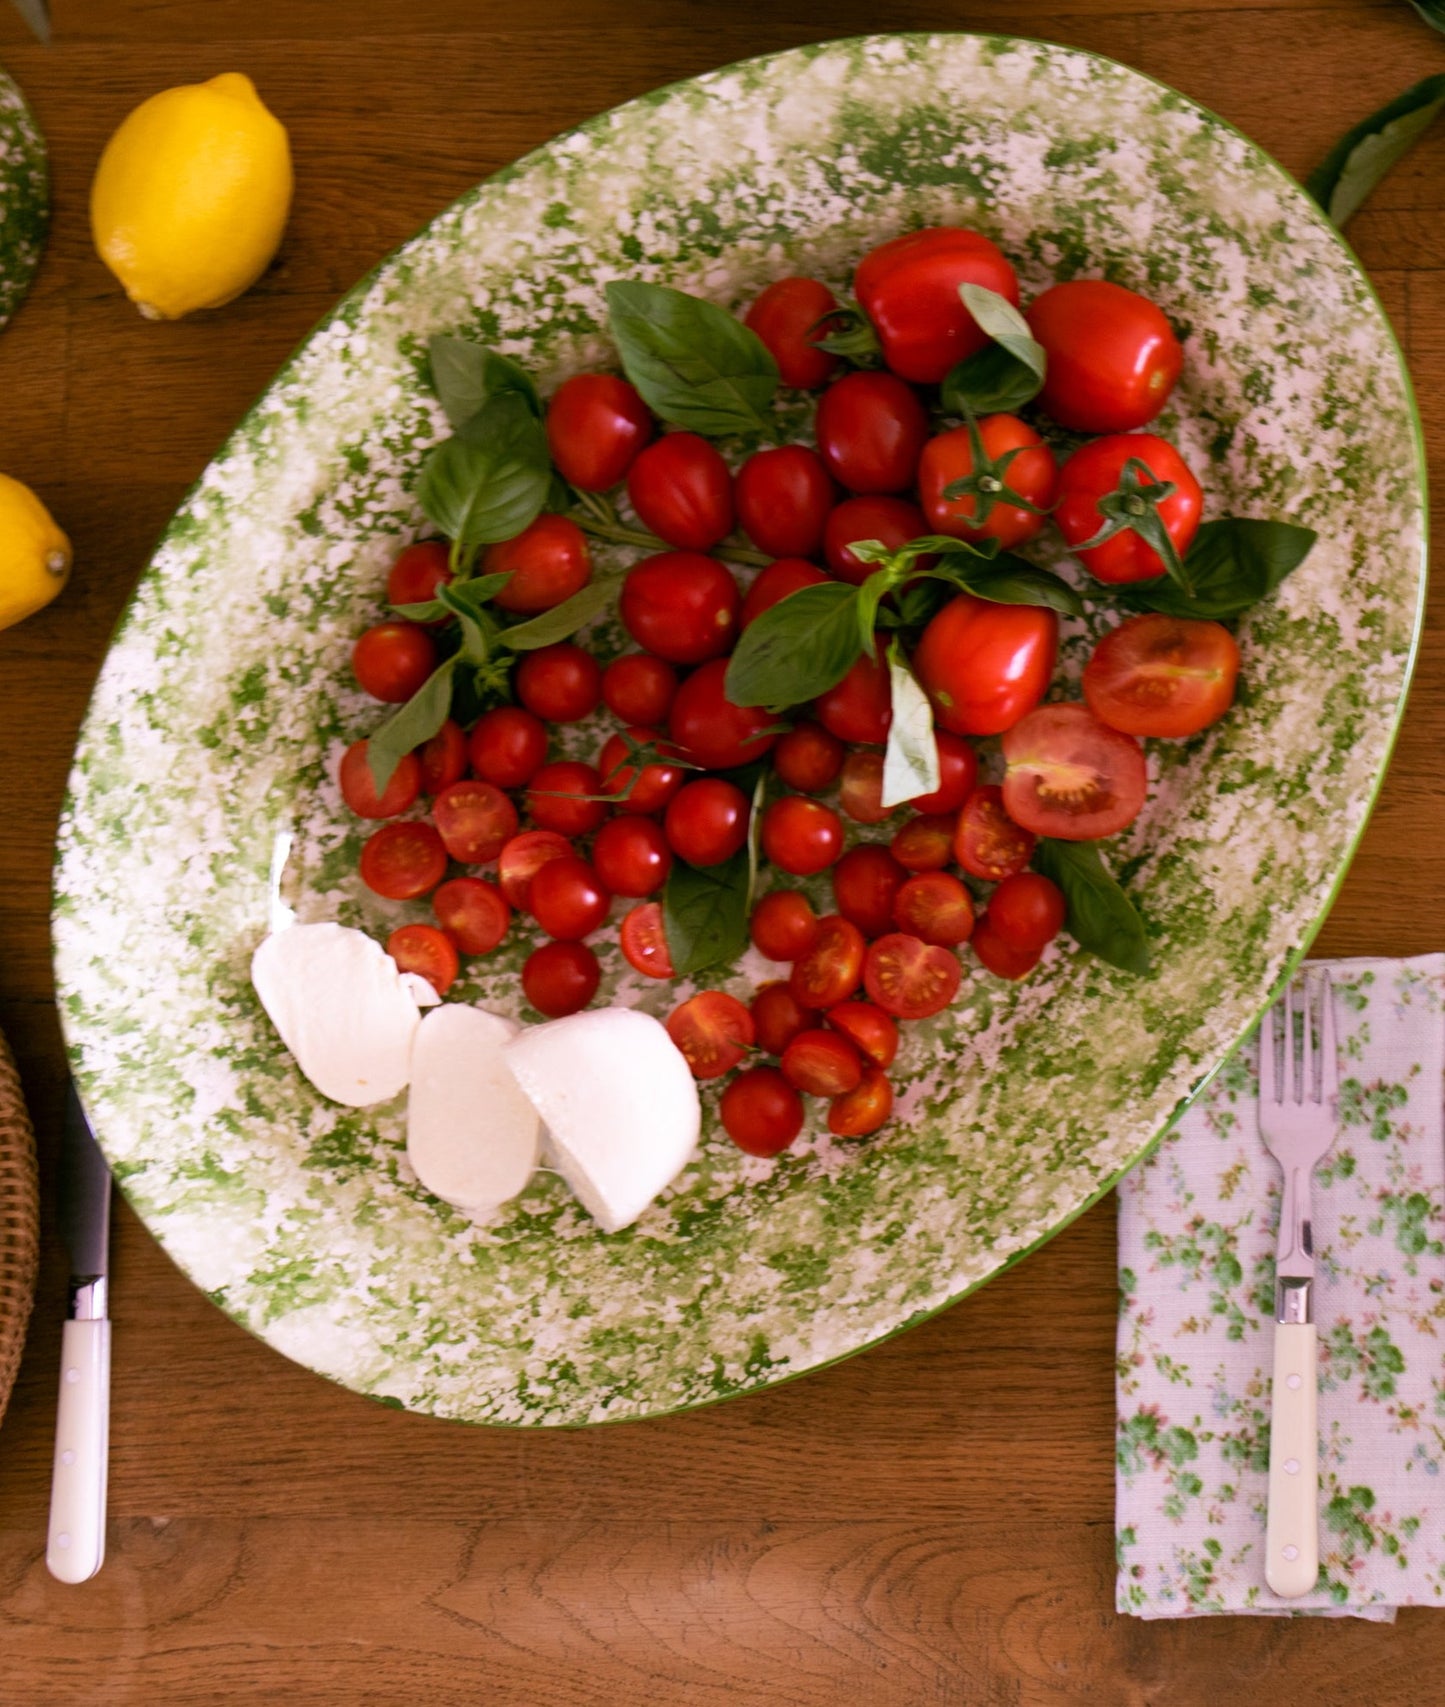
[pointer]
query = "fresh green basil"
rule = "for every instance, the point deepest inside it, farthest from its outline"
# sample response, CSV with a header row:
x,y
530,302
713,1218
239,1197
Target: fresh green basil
x,y
562,620
474,592
852,336
1101,916
1008,372
411,724
800,648
490,481
910,760
1362,156
694,364
1010,580
1432,11
466,376
705,912
1233,564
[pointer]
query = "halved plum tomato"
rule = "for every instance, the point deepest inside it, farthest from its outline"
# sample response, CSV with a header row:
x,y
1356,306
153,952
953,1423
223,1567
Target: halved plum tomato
x,y
475,821
1000,956
444,757
873,1033
984,665
822,1063
909,289
559,978
1164,676
1030,472
773,584
1112,356
681,605
866,882
831,969
713,1030
403,861
779,1016
644,942
596,424
546,563
786,317
473,912
783,924
935,907
988,843
427,951
861,1111
1071,776
911,978
1027,911
761,1112
519,862
1093,472
712,731
358,787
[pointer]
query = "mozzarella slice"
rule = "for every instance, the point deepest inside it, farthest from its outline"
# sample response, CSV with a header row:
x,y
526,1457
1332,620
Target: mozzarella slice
x,y
620,1103
471,1135
342,1009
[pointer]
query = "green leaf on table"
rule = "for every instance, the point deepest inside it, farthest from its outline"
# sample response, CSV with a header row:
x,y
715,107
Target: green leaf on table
x,y
1363,155
562,621
694,364
705,912
466,376
1007,372
1234,563
475,592
411,724
489,482
1010,580
910,760
797,650
1432,11
1101,917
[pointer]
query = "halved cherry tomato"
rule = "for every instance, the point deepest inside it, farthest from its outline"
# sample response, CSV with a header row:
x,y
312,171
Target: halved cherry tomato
x,y
638,792
443,758
706,821
860,787
774,583
523,856
860,1112
1093,472
761,1112
957,774
873,1033
358,788
475,821
891,521
999,955
822,1063
1162,675
778,1017
1030,472
801,836
712,731
909,977
871,428
808,758
417,573
984,665
713,1030
559,978
786,317
783,924
638,688
925,843
783,495
596,424
909,289
1112,356
682,489
988,843
831,969
860,707
568,899
644,942
1027,911
560,684
866,882
631,856
427,951
557,798
473,913
403,861
547,562
1071,776
508,746
936,908
392,660
681,605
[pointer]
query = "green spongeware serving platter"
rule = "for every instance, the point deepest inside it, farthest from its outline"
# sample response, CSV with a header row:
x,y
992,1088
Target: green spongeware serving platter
x,y
24,197
226,700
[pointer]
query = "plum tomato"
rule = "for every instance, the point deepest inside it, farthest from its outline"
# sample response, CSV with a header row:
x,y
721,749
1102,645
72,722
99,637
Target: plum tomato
x,y
557,798
507,746
560,683
989,845
1164,676
935,907
706,821
683,490
783,496
783,924
417,573
832,968
473,913
403,861
801,836
859,1112
786,317
1070,776
631,856
1093,472
568,899
1112,356
547,562
475,821
358,788
596,424
957,775
393,659
909,289
873,1033
778,1017
999,956
638,792
638,688
443,758
891,521
773,584
560,978
983,665
644,942
860,707
710,730
521,859
860,787
925,843
866,882
910,978
428,952
822,1063
713,1030
1027,911
682,606
1029,472
808,758
761,1112
871,428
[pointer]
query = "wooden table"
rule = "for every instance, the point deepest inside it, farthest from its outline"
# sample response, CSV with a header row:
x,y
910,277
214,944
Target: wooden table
x,y
929,1523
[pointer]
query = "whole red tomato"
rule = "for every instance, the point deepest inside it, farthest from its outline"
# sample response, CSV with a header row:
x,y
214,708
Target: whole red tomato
x,y
547,563
392,660
417,573
712,731
1030,473
774,583
786,318
891,521
682,489
860,707
1113,358
908,288
783,498
1095,471
596,424
871,428
681,606
984,665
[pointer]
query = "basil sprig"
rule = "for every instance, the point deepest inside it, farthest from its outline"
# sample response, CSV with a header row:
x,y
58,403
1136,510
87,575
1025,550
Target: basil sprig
x,y
1007,372
563,620
1363,155
490,480
411,724
1100,917
1232,564
910,760
705,909
467,376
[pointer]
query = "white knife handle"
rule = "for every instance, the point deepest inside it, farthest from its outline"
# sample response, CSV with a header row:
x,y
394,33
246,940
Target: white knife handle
x,y
1292,1531
75,1548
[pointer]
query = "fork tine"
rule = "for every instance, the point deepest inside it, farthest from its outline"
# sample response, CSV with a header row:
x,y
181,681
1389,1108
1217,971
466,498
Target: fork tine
x,y
1303,992
1267,1089
1329,1053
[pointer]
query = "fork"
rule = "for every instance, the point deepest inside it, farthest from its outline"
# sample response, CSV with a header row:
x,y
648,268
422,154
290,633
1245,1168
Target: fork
x,y
1297,1121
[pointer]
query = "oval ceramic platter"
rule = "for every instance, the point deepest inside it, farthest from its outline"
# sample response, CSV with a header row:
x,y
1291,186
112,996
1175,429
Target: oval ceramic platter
x,y
226,700
24,197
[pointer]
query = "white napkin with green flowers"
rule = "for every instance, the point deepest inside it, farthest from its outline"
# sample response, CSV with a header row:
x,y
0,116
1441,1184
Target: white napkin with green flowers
x,y
1196,1280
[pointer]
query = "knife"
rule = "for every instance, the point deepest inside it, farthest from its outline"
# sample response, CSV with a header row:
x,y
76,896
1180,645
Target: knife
x,y
36,13
75,1548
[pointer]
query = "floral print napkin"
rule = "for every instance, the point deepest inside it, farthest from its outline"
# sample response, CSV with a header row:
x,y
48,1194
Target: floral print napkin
x,y
1196,1281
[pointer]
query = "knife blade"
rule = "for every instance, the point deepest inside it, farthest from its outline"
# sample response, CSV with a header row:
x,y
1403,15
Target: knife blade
x,y
36,13
75,1548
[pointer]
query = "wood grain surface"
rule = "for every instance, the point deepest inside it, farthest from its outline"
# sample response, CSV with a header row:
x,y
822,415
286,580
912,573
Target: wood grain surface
x,y
929,1523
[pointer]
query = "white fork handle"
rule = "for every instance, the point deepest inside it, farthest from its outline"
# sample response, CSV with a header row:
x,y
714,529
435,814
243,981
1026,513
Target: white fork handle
x,y
76,1545
1292,1532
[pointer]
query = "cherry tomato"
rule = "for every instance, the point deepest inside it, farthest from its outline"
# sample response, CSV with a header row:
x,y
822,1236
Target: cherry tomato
x,y
473,913
786,317
1031,473
873,1033
682,606
682,489
632,856
644,942
935,907
1112,356
783,495
860,1112
1000,956
508,746
559,684
808,758
712,731
860,707
568,899
778,1017
761,1112
427,951
871,428
475,820
392,660
861,788
989,844
706,821
417,573
443,758
822,1063
547,562
783,924
556,798
909,977
909,289
358,789
559,978
891,521
638,792
1027,911
866,882
1071,776
522,858
1093,472
831,969
1162,675
713,1030
801,836
984,665
596,424
403,861
638,688
957,775
925,843
773,584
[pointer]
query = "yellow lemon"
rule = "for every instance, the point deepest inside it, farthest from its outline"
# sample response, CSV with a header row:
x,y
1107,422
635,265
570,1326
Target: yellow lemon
x,y
34,553
191,195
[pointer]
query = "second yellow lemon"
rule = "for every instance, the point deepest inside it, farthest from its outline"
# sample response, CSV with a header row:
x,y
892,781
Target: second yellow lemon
x,y
34,553
191,196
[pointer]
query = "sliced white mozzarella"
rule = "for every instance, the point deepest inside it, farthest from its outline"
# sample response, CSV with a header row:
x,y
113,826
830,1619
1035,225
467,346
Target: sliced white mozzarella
x,y
620,1104
471,1134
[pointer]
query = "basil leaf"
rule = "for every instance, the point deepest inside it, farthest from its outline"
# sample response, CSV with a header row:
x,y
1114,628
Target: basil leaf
x,y
466,376
1008,372
1010,580
1233,564
926,545
1362,156
490,481
800,648
1432,11
705,912
477,628
411,724
562,620
693,363
1101,916
910,760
